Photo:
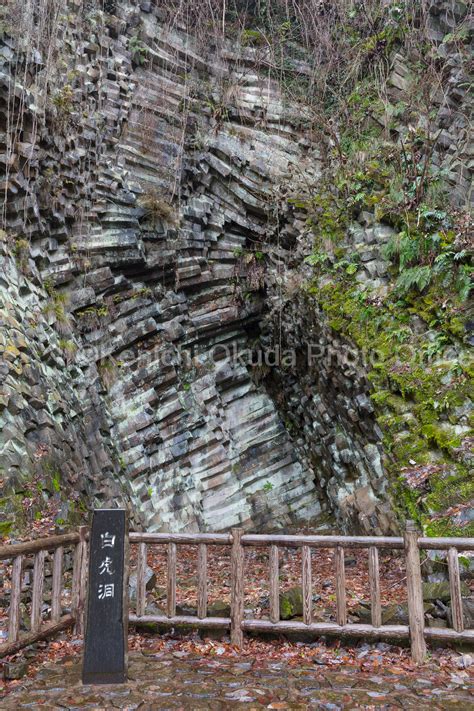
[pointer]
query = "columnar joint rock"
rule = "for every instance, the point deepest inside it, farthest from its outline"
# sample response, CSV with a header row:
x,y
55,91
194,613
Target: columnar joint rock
x,y
143,198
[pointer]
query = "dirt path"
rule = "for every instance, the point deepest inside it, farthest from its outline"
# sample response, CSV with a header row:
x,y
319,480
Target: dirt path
x,y
177,680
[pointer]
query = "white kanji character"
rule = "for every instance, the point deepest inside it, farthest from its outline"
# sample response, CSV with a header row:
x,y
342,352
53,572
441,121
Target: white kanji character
x,y
106,590
107,540
105,566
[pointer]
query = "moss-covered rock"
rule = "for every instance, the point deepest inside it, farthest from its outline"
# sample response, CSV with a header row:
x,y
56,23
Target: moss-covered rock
x,y
291,603
422,387
219,608
394,613
440,591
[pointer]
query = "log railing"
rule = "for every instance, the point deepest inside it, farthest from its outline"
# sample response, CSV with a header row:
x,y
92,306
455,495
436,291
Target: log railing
x,y
202,540
411,543
59,619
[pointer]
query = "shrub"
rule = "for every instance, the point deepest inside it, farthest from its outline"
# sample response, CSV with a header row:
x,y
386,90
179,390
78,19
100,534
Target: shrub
x,y
157,209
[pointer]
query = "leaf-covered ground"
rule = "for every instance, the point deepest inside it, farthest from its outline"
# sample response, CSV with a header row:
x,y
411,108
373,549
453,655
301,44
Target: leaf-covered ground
x,y
194,674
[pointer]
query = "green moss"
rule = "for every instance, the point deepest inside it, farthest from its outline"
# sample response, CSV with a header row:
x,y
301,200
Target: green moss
x,y
291,603
406,502
337,324
445,527
440,437
451,488
408,447
5,528
285,609
457,326
410,334
415,392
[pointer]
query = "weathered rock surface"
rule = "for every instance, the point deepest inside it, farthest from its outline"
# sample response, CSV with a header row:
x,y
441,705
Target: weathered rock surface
x,y
440,591
392,614
150,582
467,611
113,313
136,192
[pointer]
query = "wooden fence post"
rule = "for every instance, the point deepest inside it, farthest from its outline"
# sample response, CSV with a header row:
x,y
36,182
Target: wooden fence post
x,y
202,581
15,595
57,587
374,583
340,573
171,581
79,581
274,585
307,585
455,588
237,588
416,613
140,602
37,594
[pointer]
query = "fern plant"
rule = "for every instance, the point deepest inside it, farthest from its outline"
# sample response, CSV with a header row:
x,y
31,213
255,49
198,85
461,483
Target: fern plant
x,y
414,277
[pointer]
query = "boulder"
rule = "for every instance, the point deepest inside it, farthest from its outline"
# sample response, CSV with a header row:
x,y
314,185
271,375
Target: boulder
x,y
440,591
16,670
150,582
437,577
395,613
436,622
186,610
466,565
467,613
291,603
219,608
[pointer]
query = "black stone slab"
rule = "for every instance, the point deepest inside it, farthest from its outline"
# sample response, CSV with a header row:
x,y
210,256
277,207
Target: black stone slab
x,y
106,634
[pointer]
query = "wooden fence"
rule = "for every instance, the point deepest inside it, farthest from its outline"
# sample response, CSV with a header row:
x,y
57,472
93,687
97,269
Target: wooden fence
x,y
237,540
59,619
411,543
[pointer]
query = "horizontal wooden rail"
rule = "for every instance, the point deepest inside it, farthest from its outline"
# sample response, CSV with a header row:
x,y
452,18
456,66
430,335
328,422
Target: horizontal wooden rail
x,y
251,539
182,538
187,620
322,628
40,544
318,628
444,544
449,635
357,630
48,630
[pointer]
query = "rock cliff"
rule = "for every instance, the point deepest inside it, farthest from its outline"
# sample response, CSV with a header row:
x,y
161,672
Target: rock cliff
x,y
160,348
